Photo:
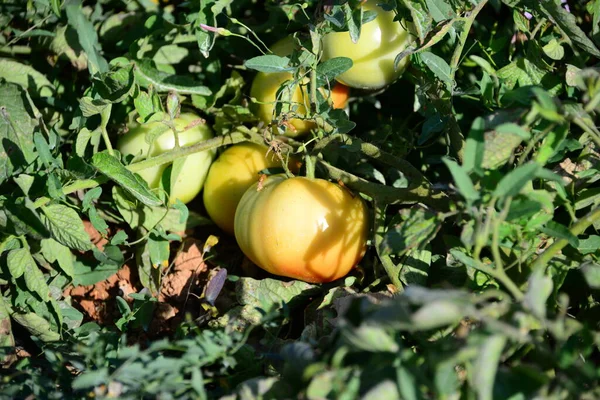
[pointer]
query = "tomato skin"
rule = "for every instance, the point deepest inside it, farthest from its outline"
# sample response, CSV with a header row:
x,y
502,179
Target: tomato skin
x,y
339,95
381,40
193,173
230,176
302,228
265,86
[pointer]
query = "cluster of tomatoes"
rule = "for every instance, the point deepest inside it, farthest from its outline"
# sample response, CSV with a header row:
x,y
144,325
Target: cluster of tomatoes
x,y
302,228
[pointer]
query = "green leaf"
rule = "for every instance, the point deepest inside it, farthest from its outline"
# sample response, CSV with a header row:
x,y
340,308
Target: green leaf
x,y
512,183
88,39
7,339
36,83
88,274
146,74
328,70
36,282
554,50
552,143
54,251
66,227
440,10
117,84
90,379
417,228
90,106
269,294
590,245
439,67
567,23
159,251
269,63
136,214
19,261
421,18
113,169
369,338
591,273
486,366
560,231
18,121
37,326
461,179
538,292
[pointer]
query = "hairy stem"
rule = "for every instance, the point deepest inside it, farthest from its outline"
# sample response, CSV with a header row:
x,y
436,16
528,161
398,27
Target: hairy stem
x,y
387,194
578,228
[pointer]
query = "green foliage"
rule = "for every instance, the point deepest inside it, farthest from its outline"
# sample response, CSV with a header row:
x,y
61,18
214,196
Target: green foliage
x,y
481,166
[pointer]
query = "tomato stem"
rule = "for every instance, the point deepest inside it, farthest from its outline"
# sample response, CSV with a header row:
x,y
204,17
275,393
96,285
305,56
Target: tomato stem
x,y
386,194
580,226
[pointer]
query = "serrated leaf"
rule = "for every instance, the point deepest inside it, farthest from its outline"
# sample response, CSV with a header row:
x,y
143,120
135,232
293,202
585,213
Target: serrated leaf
x,y
440,10
37,326
31,80
269,294
87,36
462,180
36,282
90,107
328,70
554,50
418,227
19,261
512,183
146,74
113,169
421,18
560,231
439,67
56,252
18,121
269,63
66,227
567,23
590,245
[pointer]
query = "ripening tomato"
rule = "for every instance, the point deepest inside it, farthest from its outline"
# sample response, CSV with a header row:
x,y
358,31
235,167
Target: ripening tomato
x,y
302,228
381,40
193,173
264,90
339,95
231,175
265,86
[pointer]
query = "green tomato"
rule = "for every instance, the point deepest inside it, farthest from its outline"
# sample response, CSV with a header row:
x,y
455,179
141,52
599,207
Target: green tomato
x,y
381,40
193,173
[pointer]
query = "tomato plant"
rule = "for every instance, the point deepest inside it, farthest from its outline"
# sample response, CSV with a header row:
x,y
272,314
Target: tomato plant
x,y
232,173
191,129
302,228
373,55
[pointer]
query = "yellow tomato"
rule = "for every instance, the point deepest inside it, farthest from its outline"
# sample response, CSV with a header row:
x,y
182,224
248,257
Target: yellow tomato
x,y
264,90
230,176
381,40
193,173
308,229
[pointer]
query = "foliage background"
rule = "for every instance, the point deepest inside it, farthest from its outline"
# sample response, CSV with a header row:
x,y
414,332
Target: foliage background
x,y
480,165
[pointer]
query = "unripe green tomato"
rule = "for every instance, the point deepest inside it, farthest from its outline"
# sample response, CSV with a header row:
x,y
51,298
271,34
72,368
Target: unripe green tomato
x,y
381,40
230,176
193,173
264,89
302,228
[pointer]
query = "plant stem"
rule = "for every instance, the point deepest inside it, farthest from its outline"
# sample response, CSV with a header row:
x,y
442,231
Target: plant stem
x,y
379,231
316,49
577,229
387,194
235,137
457,139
